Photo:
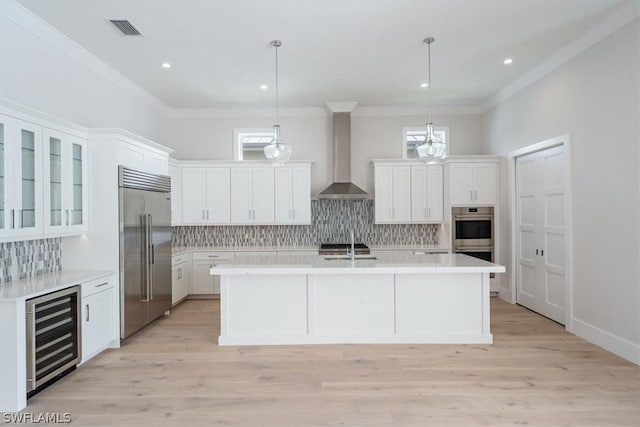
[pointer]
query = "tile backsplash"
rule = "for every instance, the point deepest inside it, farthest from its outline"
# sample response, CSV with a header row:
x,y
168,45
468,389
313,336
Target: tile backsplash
x,y
19,260
331,222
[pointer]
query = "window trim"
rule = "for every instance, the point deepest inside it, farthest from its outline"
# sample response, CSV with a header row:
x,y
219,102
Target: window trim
x,y
237,135
406,129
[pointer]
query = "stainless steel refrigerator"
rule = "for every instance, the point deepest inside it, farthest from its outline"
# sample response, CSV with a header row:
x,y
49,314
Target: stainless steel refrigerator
x,y
145,248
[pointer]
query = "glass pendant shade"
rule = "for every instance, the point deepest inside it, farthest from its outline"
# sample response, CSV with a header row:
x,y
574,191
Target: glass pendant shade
x,y
433,148
278,152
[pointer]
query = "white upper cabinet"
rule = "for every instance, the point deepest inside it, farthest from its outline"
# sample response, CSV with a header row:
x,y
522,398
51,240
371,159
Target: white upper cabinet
x,y
65,188
176,194
218,193
473,183
21,180
427,194
205,195
293,195
392,194
252,195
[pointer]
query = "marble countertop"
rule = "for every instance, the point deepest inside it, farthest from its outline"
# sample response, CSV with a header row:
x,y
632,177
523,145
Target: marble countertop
x,y
40,285
386,263
179,250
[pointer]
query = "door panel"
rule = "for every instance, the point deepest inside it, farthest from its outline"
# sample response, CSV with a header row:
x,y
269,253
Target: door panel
x,y
301,192
241,197
419,208
263,197
540,280
218,189
402,194
194,195
159,208
132,259
284,196
435,196
383,199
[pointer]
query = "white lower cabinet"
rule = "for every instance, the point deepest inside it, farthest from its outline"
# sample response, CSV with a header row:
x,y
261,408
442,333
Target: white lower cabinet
x,y
180,277
202,282
98,316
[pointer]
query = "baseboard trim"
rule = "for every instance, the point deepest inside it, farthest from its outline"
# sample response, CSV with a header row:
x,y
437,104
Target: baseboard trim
x,y
610,342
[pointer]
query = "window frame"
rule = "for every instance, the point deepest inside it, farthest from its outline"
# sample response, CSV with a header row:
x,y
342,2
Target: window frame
x,y
437,129
239,133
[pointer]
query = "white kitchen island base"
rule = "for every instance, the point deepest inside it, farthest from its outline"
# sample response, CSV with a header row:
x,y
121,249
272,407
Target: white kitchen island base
x,y
354,305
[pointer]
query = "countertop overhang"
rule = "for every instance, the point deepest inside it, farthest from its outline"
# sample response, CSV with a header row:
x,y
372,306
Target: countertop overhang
x,y
387,263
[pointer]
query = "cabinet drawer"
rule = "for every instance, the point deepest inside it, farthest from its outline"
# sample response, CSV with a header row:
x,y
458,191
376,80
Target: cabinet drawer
x,y
212,256
179,259
97,285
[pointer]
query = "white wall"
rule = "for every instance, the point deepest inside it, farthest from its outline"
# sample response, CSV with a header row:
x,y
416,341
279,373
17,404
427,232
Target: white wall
x,y
45,71
595,99
373,137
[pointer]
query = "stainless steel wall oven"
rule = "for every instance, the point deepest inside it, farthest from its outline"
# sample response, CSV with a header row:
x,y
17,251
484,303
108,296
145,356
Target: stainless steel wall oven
x,y
473,231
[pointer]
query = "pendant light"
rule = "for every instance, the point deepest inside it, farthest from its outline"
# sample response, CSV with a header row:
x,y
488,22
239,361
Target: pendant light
x,y
433,148
277,152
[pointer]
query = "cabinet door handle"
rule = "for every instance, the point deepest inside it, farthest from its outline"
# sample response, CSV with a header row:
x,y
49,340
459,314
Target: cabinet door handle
x,y
254,214
67,216
293,214
180,273
471,195
102,284
87,305
425,213
429,216
20,217
536,252
249,213
13,218
207,214
542,252
203,214
475,193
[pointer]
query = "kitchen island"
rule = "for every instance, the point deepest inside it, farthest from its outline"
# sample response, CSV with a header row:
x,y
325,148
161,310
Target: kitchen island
x,y
384,298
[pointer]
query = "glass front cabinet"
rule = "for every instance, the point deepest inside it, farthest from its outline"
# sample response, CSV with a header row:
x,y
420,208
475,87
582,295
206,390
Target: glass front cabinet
x,y
65,189
20,179
43,189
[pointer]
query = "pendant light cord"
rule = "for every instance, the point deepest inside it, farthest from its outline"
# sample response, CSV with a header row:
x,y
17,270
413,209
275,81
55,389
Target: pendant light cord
x,y
277,99
429,78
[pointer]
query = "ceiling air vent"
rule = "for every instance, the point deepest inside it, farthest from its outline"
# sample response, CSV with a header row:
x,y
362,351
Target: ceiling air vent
x,y
125,27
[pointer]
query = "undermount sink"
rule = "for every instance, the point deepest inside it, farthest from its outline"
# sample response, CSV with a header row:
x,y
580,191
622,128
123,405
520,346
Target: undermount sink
x,y
357,257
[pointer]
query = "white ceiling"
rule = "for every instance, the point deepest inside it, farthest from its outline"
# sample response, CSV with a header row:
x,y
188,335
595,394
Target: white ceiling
x,y
365,51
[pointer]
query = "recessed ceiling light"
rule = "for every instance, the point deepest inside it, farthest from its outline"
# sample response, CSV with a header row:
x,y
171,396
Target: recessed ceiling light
x,y
264,87
508,61
424,84
166,65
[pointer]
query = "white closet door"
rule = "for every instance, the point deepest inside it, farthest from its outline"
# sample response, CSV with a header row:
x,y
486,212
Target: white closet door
x,y
541,265
218,196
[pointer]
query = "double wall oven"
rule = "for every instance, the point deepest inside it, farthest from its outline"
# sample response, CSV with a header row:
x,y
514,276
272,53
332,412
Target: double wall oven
x,y
474,232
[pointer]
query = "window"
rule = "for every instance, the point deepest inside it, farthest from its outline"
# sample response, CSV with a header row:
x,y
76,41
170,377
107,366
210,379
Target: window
x,y
414,136
249,143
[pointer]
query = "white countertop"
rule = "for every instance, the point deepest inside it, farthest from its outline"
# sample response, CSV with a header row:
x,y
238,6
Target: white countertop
x,y
43,284
178,250
385,263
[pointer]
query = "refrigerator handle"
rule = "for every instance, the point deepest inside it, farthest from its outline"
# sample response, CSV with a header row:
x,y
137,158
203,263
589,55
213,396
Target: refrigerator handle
x,y
151,258
145,270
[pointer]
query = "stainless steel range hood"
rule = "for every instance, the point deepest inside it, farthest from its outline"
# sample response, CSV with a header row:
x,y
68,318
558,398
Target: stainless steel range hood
x,y
342,187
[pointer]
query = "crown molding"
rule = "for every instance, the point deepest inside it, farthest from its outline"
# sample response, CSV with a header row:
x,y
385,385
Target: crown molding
x,y
39,28
443,110
181,113
28,114
610,24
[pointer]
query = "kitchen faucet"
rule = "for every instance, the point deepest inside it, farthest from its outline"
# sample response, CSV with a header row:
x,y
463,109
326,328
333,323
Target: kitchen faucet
x,y
353,246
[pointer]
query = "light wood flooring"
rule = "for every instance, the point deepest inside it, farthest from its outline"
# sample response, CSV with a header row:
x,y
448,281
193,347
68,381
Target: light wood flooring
x,y
174,374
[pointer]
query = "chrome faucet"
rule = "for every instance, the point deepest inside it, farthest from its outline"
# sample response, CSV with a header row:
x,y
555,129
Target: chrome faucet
x,y
353,246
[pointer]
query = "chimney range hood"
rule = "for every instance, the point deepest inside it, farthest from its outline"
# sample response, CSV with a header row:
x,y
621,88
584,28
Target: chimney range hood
x,y
342,187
